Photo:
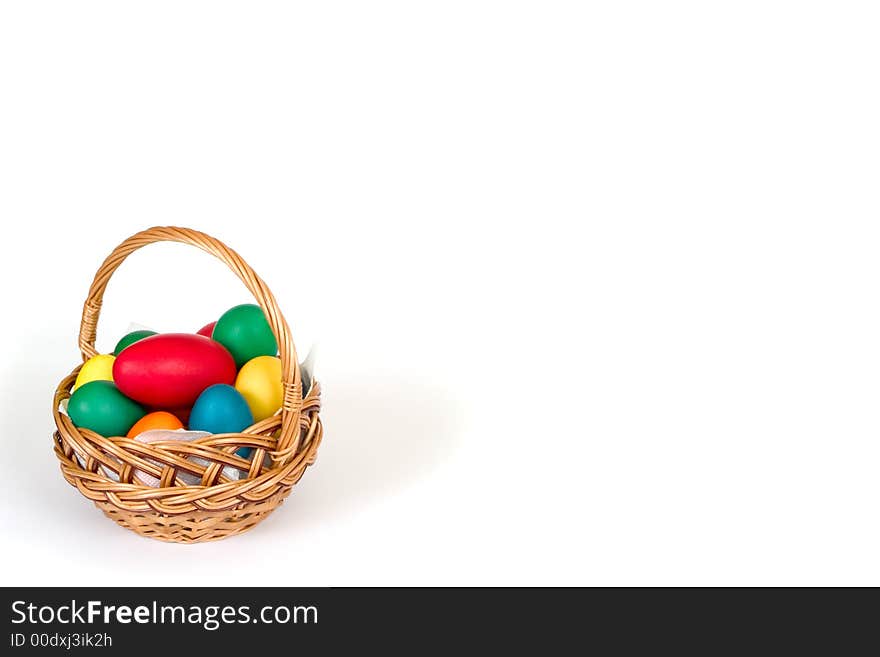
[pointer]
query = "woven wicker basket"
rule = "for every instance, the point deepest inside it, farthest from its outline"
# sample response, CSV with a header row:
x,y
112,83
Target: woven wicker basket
x,y
220,506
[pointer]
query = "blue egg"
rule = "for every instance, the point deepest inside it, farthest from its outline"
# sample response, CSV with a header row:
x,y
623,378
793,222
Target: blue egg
x,y
220,409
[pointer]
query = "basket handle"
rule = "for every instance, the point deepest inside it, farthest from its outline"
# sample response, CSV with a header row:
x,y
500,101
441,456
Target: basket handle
x,y
290,372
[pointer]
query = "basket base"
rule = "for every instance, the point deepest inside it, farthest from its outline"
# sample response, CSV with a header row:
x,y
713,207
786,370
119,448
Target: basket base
x,y
195,527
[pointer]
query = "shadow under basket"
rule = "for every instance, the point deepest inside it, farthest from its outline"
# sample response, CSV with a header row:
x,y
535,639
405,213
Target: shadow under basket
x,y
206,491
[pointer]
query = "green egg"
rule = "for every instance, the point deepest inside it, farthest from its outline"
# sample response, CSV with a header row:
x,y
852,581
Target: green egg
x,y
130,339
245,333
101,407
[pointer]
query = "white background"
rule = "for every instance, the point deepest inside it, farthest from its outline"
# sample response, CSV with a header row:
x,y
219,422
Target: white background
x,y
595,284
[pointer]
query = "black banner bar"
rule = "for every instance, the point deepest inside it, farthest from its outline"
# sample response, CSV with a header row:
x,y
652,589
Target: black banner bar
x,y
414,620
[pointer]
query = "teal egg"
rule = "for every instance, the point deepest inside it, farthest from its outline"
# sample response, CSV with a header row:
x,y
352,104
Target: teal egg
x,y
220,409
131,338
101,407
245,333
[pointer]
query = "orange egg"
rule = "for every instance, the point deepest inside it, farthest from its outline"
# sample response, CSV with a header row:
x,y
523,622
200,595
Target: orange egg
x,y
155,420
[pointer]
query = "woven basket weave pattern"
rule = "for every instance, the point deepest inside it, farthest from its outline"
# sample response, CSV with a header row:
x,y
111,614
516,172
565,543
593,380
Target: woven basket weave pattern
x,y
103,468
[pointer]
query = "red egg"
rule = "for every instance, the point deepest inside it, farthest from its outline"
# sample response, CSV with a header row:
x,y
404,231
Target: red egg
x,y
182,412
171,370
207,330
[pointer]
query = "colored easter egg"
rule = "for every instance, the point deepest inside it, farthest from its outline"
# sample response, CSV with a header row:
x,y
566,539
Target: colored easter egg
x,y
188,478
207,330
259,382
101,407
181,412
244,331
220,409
172,369
155,420
96,368
130,339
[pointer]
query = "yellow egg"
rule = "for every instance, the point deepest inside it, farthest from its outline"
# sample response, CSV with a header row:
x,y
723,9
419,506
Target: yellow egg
x,y
259,382
96,368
